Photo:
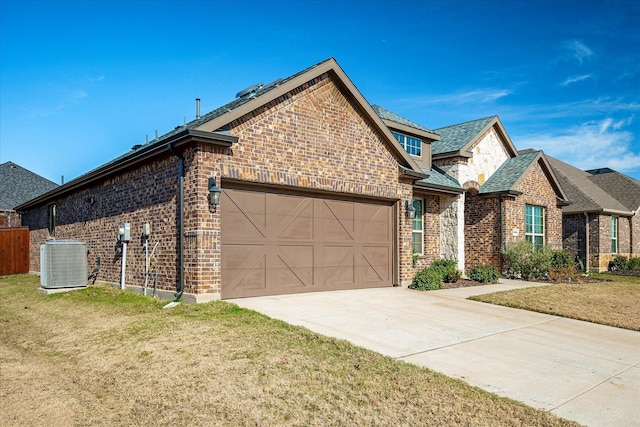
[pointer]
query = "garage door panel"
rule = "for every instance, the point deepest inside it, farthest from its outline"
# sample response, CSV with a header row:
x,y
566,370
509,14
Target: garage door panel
x,y
245,267
282,243
294,266
375,222
246,215
337,221
338,266
376,262
292,218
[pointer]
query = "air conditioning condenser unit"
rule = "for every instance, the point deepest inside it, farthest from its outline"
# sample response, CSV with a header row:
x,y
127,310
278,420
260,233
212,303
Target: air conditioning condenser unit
x,y
63,264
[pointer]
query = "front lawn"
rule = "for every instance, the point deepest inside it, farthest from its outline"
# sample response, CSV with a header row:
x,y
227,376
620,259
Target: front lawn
x,y
105,357
614,303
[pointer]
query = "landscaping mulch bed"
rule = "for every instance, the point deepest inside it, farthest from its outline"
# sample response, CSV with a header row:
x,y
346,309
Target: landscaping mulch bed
x,y
462,283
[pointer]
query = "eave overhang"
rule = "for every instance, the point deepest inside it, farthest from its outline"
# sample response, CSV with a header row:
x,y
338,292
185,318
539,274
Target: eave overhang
x,y
434,188
176,141
411,130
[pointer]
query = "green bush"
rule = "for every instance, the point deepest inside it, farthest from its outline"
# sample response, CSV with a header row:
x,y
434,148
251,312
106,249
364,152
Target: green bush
x,y
449,269
619,263
428,279
484,274
634,263
440,271
523,261
561,259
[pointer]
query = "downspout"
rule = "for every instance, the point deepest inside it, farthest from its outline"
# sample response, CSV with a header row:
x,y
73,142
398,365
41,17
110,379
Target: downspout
x,y
178,295
586,240
501,232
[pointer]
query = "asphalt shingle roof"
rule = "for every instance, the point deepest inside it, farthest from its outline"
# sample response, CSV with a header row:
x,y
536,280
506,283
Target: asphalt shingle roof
x,y
455,137
393,117
19,185
505,178
439,178
583,192
623,188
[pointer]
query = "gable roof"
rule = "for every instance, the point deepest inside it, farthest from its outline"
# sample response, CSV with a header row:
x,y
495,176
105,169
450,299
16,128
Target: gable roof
x,y
212,128
623,188
583,193
457,140
403,124
18,185
505,180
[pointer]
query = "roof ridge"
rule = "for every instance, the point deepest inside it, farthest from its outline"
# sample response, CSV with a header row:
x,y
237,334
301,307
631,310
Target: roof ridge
x,y
467,122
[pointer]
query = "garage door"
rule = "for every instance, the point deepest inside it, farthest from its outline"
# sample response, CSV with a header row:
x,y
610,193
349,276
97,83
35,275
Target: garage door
x,y
281,243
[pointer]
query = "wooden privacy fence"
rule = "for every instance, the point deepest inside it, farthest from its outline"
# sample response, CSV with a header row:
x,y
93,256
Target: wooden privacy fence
x,y
14,250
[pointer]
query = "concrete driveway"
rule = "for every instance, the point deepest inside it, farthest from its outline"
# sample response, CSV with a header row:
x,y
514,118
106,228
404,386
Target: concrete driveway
x,y
580,371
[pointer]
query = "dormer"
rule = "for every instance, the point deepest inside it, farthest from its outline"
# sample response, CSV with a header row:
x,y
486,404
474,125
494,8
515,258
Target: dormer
x,y
415,139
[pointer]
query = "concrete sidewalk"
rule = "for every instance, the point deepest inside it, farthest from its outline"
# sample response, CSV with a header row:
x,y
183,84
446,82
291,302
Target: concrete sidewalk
x,y
578,370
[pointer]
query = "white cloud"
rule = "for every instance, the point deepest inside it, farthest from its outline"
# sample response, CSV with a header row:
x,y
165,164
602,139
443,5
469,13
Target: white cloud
x,y
593,144
576,79
578,50
460,98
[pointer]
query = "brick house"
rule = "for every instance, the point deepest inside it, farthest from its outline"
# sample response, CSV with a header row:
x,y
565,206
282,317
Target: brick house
x,y
18,185
601,219
509,196
315,191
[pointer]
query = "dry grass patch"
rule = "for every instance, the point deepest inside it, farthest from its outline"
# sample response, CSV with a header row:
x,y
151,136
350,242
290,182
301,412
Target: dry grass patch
x,y
615,303
105,357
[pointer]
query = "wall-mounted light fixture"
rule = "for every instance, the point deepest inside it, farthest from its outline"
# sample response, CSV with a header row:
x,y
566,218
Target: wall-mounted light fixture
x,y
214,193
411,211
90,200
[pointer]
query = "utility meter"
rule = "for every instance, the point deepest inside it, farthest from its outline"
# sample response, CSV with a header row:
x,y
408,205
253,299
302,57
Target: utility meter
x,y
124,232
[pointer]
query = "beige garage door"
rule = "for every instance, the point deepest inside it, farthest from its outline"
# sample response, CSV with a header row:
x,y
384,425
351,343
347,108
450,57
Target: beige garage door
x,y
279,244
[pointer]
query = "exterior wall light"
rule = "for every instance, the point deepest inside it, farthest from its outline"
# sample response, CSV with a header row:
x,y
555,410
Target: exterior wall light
x,y
411,211
214,193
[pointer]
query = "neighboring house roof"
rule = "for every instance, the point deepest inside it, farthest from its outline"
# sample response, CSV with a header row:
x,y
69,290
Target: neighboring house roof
x,y
457,140
19,185
506,179
584,193
440,180
394,120
212,128
622,187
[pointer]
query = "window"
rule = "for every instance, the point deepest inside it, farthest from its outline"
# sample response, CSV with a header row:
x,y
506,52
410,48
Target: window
x,y
534,227
412,145
417,231
614,234
52,219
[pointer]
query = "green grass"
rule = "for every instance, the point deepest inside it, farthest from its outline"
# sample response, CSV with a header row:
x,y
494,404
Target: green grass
x,y
104,357
614,303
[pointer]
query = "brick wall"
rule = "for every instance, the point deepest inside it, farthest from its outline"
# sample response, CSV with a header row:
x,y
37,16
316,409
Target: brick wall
x,y
481,230
537,191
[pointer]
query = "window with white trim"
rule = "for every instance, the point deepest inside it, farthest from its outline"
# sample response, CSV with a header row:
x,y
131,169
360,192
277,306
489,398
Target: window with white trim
x,y
614,234
417,227
534,225
412,145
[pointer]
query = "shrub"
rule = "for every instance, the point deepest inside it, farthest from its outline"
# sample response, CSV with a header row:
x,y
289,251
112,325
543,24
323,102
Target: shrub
x,y
634,263
440,271
484,274
428,279
561,259
523,261
619,263
565,274
449,269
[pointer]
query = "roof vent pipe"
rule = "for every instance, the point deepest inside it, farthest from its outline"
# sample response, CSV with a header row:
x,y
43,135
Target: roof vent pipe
x,y
197,108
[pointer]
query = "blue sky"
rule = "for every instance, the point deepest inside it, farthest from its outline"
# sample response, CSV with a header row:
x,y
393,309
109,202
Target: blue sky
x,y
81,82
